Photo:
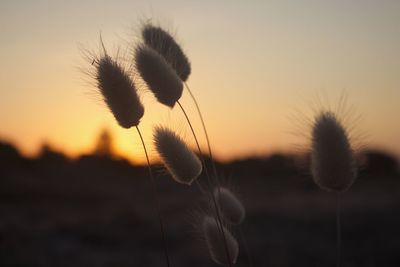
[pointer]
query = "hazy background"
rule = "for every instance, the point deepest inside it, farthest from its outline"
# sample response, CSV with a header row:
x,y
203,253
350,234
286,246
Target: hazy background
x,y
69,197
254,64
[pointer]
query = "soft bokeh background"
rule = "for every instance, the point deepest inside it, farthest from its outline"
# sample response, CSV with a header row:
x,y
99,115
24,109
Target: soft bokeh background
x,y
259,68
254,64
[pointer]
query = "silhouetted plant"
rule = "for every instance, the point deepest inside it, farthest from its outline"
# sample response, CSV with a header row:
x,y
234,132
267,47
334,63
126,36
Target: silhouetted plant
x,y
333,163
183,165
232,209
215,243
156,61
163,42
158,74
164,68
119,93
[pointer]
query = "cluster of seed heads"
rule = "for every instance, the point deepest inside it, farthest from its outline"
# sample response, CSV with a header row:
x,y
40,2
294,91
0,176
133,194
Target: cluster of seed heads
x,y
160,53
164,67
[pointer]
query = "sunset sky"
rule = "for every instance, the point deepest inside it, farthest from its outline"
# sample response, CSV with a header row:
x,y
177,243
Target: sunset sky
x,y
254,65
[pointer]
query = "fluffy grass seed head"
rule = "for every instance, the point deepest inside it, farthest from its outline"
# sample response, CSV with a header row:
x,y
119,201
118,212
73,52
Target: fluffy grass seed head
x,y
158,74
215,242
231,207
333,164
183,165
118,91
163,42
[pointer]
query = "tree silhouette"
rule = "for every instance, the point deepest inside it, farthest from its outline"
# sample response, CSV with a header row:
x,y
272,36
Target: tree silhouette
x,y
104,146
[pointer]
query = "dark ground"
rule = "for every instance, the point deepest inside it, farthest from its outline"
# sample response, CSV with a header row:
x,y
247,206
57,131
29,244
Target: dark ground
x,y
95,211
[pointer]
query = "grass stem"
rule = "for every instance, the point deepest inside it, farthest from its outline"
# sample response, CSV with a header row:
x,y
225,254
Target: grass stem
x,y
338,231
156,200
210,189
205,132
246,247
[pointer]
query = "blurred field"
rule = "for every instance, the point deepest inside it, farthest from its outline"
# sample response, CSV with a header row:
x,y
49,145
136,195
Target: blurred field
x,y
96,211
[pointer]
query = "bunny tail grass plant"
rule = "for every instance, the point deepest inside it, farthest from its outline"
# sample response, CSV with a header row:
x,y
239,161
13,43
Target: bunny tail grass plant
x,y
333,163
166,53
119,93
232,210
158,74
163,42
332,158
209,184
215,243
183,165
156,61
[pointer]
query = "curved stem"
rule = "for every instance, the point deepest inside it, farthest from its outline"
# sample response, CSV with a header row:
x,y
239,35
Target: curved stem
x,y
205,132
156,200
201,189
338,231
246,247
212,196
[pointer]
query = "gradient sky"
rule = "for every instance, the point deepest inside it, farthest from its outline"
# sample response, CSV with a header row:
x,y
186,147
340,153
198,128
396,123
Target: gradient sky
x,y
254,65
